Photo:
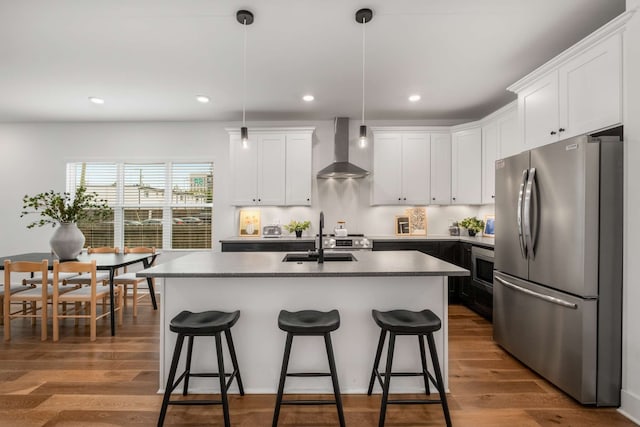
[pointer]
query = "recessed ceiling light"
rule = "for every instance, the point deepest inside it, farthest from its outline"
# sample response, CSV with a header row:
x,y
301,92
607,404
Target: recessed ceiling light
x,y
414,98
96,100
203,99
308,98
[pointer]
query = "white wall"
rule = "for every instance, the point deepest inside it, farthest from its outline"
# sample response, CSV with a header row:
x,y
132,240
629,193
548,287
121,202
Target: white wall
x,y
34,157
631,292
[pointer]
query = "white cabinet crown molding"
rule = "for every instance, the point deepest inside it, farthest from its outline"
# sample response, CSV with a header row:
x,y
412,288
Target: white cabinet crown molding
x,y
410,129
614,26
263,130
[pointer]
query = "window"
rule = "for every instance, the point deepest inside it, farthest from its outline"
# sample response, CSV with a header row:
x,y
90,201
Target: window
x,y
165,205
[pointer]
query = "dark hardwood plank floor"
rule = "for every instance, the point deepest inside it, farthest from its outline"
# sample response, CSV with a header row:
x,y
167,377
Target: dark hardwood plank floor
x,y
113,382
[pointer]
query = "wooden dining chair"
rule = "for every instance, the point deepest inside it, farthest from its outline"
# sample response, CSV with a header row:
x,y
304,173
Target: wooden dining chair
x,y
11,290
35,296
127,279
86,296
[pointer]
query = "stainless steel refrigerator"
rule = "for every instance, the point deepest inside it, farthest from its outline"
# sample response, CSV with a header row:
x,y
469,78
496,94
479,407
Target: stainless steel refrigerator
x,y
557,292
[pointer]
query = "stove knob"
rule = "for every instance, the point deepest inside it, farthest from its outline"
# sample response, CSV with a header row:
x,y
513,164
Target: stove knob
x,y
365,243
332,243
357,242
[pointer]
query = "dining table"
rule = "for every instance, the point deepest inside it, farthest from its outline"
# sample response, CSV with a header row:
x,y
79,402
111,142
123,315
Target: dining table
x,y
104,262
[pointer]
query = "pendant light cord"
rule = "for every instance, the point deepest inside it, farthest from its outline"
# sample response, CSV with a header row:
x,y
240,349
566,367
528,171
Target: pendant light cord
x,y
244,68
363,62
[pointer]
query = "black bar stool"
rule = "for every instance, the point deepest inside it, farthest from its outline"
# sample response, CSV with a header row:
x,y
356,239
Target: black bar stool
x,y
404,322
305,323
207,323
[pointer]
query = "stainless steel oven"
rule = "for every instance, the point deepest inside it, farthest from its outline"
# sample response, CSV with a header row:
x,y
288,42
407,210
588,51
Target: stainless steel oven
x,y
350,242
482,265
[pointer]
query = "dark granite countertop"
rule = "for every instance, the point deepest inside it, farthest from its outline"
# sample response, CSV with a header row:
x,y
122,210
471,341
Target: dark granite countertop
x,y
269,264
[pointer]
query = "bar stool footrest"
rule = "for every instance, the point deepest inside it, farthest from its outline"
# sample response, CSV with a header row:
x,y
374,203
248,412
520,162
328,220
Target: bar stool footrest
x,y
308,402
413,401
194,402
309,374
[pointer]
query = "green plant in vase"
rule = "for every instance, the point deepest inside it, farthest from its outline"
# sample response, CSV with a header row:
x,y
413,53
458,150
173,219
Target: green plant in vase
x,y
473,225
66,210
297,227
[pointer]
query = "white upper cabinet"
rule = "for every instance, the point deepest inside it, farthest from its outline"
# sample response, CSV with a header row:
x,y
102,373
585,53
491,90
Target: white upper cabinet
x,y
590,88
440,168
489,157
401,161
499,140
466,167
538,110
273,169
298,172
577,92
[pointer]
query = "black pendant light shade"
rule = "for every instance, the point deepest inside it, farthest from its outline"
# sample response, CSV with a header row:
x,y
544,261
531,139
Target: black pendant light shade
x,y
362,17
244,134
363,132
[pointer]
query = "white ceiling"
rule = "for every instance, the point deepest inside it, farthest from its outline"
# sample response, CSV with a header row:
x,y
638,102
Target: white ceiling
x,y
149,58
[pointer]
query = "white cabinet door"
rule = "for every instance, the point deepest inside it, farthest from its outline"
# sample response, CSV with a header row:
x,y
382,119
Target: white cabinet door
x,y
466,167
538,111
590,89
490,138
244,171
298,171
416,178
440,168
509,142
271,170
387,169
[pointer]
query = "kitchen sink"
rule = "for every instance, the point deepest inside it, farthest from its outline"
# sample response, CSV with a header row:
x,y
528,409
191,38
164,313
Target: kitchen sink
x,y
313,257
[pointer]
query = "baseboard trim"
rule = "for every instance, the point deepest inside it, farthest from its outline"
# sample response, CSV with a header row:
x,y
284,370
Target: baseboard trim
x,y
630,406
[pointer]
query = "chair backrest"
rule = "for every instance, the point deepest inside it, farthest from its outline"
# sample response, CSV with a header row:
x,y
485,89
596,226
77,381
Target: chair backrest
x,y
74,267
41,267
103,250
140,250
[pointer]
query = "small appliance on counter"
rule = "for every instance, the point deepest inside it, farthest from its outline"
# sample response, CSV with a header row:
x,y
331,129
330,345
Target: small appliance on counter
x,y
340,230
271,231
454,230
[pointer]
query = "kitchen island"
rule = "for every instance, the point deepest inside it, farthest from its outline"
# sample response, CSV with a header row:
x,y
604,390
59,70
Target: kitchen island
x,y
261,284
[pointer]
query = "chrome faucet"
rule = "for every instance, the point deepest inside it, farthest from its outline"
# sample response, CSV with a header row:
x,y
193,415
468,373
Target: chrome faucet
x,y
320,249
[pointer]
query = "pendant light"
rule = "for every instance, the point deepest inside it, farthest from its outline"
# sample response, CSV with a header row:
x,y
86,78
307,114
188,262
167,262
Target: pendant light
x,y
245,18
362,17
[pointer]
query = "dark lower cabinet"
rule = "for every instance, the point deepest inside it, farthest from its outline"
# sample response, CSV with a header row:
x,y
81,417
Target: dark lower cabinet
x,y
268,246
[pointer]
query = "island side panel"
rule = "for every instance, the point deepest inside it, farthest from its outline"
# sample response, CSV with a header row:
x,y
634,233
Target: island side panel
x,y
260,343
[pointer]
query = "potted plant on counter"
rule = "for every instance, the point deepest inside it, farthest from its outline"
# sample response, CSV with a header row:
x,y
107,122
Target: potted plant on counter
x,y
473,225
297,227
66,210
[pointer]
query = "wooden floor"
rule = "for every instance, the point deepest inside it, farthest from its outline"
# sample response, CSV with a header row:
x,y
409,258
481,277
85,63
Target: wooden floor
x,y
113,382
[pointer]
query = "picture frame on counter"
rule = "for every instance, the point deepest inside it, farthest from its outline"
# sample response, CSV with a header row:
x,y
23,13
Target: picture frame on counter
x,y
489,226
417,221
402,225
249,223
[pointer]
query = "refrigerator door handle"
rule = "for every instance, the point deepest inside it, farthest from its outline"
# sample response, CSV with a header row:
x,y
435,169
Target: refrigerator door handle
x,y
527,212
523,247
547,298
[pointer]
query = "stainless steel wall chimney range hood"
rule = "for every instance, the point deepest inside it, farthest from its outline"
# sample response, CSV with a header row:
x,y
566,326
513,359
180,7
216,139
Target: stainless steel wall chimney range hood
x,y
341,168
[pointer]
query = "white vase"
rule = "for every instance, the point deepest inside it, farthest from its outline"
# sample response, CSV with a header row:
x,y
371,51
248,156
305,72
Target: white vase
x,y
67,241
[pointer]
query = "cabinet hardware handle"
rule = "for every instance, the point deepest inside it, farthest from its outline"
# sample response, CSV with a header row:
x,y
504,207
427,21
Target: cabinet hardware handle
x,y
253,200
404,198
553,132
433,198
561,130
453,198
259,200
493,196
399,198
